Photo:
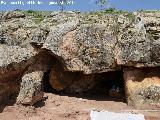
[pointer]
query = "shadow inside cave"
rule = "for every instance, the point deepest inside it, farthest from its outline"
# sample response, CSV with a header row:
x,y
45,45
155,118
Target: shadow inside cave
x,y
109,86
8,101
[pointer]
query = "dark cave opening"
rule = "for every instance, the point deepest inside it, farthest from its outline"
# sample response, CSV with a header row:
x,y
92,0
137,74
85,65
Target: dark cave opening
x,y
108,86
46,85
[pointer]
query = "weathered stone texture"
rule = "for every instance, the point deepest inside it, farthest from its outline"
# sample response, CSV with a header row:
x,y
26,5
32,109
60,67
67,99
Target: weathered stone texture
x,y
31,89
16,62
142,85
74,46
72,82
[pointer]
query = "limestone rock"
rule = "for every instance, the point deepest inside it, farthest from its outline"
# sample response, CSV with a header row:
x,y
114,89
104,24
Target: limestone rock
x,y
155,56
39,36
14,54
17,32
95,45
75,46
14,61
142,85
104,46
152,23
14,14
87,48
91,43
72,82
31,88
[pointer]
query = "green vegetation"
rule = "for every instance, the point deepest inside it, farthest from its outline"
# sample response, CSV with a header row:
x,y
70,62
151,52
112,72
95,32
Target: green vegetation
x,y
38,16
111,11
89,17
126,14
148,11
130,16
114,11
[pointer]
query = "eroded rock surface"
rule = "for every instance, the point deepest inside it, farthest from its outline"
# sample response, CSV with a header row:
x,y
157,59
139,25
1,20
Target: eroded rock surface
x,y
142,85
31,89
71,47
72,82
13,62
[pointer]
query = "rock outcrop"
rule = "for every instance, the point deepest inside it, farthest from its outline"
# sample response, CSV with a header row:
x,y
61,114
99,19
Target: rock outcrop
x,y
13,64
73,47
142,85
31,89
70,81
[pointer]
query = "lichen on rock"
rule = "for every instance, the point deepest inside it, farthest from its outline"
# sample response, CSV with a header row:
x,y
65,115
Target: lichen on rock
x,y
71,47
31,89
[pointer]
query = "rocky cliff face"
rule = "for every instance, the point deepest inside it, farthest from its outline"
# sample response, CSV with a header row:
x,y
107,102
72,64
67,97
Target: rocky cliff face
x,y
72,48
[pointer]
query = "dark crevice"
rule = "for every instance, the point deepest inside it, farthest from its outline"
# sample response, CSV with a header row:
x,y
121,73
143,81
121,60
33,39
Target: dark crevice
x,y
107,81
108,86
46,85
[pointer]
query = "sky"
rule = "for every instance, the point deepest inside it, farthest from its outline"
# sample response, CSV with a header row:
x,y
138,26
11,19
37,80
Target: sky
x,y
81,5
131,5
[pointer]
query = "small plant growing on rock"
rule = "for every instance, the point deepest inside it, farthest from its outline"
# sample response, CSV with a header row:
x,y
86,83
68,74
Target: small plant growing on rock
x,y
110,11
37,16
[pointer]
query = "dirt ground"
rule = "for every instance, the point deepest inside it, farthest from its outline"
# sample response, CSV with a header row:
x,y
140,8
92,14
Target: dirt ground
x,y
67,107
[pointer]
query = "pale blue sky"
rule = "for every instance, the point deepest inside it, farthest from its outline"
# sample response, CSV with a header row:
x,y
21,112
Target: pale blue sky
x,y
88,5
130,5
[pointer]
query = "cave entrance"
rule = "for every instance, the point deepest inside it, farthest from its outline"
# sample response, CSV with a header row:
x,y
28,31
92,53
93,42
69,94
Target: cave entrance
x,y
107,86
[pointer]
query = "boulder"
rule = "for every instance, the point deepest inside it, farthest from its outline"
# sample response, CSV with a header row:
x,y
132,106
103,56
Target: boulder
x,y
104,46
86,48
13,14
142,85
14,61
31,89
133,47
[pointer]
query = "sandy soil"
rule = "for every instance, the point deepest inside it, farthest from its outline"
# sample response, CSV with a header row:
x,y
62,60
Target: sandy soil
x,y
64,107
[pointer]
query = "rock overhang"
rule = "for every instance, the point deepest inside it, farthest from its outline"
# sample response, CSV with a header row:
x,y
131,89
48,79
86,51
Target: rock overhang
x,y
95,41
88,43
